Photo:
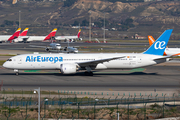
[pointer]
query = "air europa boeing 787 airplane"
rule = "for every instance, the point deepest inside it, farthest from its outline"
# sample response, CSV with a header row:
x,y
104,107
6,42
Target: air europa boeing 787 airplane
x,y
71,63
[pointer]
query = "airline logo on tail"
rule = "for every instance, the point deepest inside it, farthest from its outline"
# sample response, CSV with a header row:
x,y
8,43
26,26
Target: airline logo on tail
x,y
78,35
152,40
24,33
52,34
158,47
15,35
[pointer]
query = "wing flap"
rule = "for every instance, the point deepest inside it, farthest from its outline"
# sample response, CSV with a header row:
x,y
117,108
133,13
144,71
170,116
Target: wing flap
x,y
161,57
95,62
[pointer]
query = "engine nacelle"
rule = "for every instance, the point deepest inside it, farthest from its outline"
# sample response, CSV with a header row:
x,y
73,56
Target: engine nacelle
x,y
46,49
71,40
68,68
18,40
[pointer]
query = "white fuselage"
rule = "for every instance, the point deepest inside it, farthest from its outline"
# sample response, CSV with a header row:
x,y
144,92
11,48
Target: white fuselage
x,y
172,51
53,61
72,50
55,46
4,38
65,37
29,38
36,38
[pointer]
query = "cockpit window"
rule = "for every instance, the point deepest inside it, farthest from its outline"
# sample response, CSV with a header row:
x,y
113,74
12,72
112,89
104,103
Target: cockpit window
x,y
58,45
9,60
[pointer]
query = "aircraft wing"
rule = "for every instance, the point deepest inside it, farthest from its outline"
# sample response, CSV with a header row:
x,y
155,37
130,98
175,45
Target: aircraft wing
x,y
95,62
161,57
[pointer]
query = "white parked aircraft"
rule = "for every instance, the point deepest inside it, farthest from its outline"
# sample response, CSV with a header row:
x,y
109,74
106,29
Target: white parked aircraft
x,y
36,38
70,38
168,51
57,47
5,38
70,49
71,63
22,36
52,46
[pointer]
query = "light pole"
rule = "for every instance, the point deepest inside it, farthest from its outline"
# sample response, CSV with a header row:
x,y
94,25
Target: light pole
x,y
89,26
38,90
104,27
45,102
19,19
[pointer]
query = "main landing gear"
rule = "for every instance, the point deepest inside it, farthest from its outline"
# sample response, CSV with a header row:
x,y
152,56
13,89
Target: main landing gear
x,y
88,73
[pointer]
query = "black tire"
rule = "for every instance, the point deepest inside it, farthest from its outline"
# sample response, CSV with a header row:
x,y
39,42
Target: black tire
x,y
91,74
88,73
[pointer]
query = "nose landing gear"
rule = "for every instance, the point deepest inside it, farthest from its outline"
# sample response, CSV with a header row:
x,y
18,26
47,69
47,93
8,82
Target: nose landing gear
x,y
16,71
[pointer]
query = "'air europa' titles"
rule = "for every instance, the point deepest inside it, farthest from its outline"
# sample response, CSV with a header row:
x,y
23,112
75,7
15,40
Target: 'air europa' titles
x,y
43,59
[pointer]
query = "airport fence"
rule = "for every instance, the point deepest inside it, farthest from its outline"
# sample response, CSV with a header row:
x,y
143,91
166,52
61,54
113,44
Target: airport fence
x,y
70,106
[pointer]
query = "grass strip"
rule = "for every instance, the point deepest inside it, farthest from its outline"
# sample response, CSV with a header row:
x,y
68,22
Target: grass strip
x,y
2,61
7,55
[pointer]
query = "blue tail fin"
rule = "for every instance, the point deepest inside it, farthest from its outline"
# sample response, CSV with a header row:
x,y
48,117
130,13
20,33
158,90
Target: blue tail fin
x,y
158,47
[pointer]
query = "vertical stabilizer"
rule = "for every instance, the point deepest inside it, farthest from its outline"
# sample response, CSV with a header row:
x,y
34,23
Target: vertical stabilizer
x,y
158,47
15,35
52,34
78,35
151,40
24,32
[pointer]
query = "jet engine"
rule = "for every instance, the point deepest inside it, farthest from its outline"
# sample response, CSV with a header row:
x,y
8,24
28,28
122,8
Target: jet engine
x,y
68,68
17,40
71,40
47,49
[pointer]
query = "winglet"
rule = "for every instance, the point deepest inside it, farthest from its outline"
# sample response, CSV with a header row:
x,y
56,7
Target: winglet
x,y
52,34
78,35
15,35
24,32
158,47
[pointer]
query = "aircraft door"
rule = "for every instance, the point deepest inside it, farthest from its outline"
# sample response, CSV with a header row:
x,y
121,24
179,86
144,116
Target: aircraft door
x,y
139,60
19,60
132,60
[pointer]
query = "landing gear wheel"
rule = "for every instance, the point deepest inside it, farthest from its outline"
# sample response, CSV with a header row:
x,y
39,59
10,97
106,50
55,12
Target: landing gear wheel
x,y
17,73
88,73
91,74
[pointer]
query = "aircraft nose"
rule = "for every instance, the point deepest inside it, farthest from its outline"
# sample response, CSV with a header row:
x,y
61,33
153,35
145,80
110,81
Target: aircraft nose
x,y
5,65
58,48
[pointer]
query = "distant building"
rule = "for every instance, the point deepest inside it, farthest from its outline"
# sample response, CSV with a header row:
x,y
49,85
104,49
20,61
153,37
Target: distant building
x,y
114,29
14,2
139,37
75,26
